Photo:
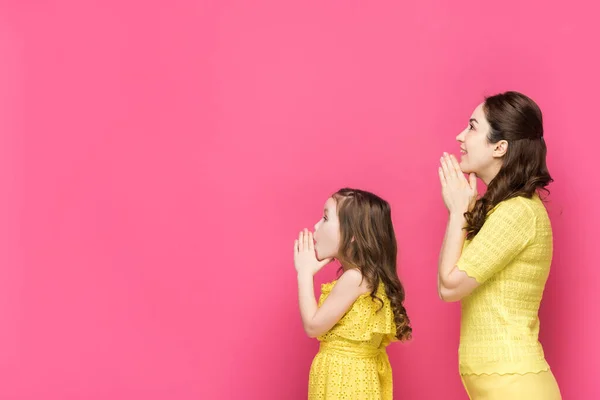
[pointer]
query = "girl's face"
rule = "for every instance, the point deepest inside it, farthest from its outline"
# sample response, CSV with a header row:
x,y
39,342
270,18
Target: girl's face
x,y
327,232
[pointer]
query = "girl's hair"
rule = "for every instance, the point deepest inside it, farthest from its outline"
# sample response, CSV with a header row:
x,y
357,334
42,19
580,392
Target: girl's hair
x,y
517,119
368,243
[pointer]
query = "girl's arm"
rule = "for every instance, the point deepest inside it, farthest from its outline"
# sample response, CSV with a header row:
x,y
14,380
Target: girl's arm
x,y
318,320
350,285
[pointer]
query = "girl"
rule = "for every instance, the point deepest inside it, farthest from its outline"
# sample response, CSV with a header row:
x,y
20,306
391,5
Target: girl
x,y
358,315
497,250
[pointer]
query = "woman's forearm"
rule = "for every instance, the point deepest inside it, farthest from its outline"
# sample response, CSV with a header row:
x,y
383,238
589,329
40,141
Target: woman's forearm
x,y
452,245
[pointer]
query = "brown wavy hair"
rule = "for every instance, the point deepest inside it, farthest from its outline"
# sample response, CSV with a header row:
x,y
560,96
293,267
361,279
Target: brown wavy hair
x,y
517,119
368,243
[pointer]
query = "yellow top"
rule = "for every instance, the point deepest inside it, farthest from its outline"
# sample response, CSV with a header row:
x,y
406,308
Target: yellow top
x,y
510,257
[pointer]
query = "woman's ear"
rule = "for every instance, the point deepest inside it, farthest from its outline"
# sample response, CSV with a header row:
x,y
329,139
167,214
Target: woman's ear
x,y
500,148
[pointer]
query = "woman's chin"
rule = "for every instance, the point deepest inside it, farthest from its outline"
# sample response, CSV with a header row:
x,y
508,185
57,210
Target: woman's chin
x,y
464,167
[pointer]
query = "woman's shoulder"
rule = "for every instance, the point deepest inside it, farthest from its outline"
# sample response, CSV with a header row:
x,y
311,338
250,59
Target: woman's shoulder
x,y
520,205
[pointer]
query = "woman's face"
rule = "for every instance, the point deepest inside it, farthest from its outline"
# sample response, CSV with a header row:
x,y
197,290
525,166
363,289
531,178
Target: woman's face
x,y
478,155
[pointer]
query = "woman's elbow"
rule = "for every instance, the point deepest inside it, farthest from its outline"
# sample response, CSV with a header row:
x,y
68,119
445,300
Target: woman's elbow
x,y
449,295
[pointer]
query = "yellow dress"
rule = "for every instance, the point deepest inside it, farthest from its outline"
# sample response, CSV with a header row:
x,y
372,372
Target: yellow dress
x,y
352,362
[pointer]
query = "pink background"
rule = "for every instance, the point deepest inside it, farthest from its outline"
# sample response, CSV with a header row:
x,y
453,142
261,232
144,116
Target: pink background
x,y
158,158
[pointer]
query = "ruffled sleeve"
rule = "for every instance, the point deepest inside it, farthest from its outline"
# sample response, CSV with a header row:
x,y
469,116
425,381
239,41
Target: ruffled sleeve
x,y
365,319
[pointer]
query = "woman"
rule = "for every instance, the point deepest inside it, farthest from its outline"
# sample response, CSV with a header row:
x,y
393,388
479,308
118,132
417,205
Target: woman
x,y
497,249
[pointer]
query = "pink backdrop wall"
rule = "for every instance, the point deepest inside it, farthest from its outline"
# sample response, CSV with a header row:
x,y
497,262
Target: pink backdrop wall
x,y
158,158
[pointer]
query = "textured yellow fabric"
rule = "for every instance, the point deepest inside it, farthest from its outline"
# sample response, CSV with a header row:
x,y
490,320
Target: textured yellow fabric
x,y
531,386
510,257
352,362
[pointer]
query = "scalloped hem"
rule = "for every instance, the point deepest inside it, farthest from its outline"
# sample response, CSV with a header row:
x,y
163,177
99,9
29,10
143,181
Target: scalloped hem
x,y
469,273
505,369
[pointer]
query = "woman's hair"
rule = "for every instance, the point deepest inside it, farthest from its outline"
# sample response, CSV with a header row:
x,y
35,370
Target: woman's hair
x,y
517,119
368,243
